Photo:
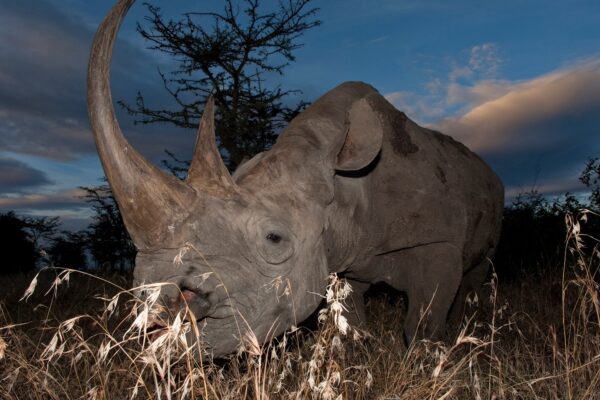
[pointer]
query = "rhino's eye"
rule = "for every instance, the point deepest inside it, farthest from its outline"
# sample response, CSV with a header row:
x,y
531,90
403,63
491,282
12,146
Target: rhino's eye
x,y
274,241
273,237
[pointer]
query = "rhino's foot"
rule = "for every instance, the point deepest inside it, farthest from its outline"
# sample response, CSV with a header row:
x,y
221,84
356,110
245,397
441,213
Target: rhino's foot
x,y
430,275
434,282
472,282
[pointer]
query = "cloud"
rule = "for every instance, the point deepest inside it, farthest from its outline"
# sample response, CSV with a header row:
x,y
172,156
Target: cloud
x,y
43,108
485,60
65,200
379,39
44,49
417,106
535,133
482,91
16,176
42,77
443,96
531,115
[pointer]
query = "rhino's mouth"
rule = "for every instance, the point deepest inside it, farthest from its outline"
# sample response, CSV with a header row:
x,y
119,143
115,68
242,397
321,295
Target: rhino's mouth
x,y
156,328
193,305
197,303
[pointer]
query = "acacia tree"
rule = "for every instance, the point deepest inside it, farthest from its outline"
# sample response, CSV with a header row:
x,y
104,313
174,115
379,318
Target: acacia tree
x,y
227,55
41,230
590,177
16,247
106,237
68,250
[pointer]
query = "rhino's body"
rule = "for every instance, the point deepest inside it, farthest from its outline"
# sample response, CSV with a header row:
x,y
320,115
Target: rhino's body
x,y
424,213
352,186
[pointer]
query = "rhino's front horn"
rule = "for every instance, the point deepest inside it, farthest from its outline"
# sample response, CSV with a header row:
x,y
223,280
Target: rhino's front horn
x,y
207,173
150,200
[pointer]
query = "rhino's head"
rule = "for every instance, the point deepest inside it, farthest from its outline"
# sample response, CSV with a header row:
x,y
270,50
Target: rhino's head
x,y
245,252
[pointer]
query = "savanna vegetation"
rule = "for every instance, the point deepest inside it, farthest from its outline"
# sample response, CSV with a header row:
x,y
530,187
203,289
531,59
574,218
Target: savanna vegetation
x,y
531,334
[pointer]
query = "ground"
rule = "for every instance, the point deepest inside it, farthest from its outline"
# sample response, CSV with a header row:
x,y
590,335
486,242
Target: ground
x,y
536,336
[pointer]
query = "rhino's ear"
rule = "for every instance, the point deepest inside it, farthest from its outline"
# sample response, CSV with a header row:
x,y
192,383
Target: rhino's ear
x,y
363,138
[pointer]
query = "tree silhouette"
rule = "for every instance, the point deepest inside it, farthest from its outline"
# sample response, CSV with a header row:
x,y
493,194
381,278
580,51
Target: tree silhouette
x,y
41,229
533,228
68,251
532,233
229,61
16,247
590,177
107,239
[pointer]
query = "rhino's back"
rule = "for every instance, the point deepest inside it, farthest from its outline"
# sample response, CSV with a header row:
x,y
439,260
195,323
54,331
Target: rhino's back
x,y
426,187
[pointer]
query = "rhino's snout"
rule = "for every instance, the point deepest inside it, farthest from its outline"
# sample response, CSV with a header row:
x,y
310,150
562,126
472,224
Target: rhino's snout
x,y
191,303
176,297
197,302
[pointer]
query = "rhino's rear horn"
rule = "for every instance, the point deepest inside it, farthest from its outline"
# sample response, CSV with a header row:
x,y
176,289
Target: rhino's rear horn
x,y
207,171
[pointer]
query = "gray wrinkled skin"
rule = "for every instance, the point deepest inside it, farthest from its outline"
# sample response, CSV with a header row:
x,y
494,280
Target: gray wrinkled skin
x,y
419,215
352,186
247,273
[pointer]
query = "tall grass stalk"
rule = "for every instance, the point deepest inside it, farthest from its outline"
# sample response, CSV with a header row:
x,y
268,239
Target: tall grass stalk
x,y
78,336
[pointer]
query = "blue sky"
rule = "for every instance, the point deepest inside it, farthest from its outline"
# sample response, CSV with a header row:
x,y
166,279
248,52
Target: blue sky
x,y
517,81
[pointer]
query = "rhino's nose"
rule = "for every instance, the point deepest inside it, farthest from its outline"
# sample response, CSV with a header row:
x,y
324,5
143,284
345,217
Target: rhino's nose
x,y
176,297
197,302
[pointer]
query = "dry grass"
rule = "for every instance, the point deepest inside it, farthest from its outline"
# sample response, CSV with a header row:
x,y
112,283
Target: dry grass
x,y
538,339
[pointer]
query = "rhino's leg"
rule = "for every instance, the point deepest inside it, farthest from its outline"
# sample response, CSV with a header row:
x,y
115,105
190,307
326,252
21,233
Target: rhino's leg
x,y
356,303
472,282
430,275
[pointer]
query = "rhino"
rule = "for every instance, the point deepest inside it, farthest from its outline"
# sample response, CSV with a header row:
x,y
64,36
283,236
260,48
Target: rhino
x,y
352,186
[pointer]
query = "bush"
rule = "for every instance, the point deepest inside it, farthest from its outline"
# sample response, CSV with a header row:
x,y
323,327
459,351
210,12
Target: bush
x,y
16,247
